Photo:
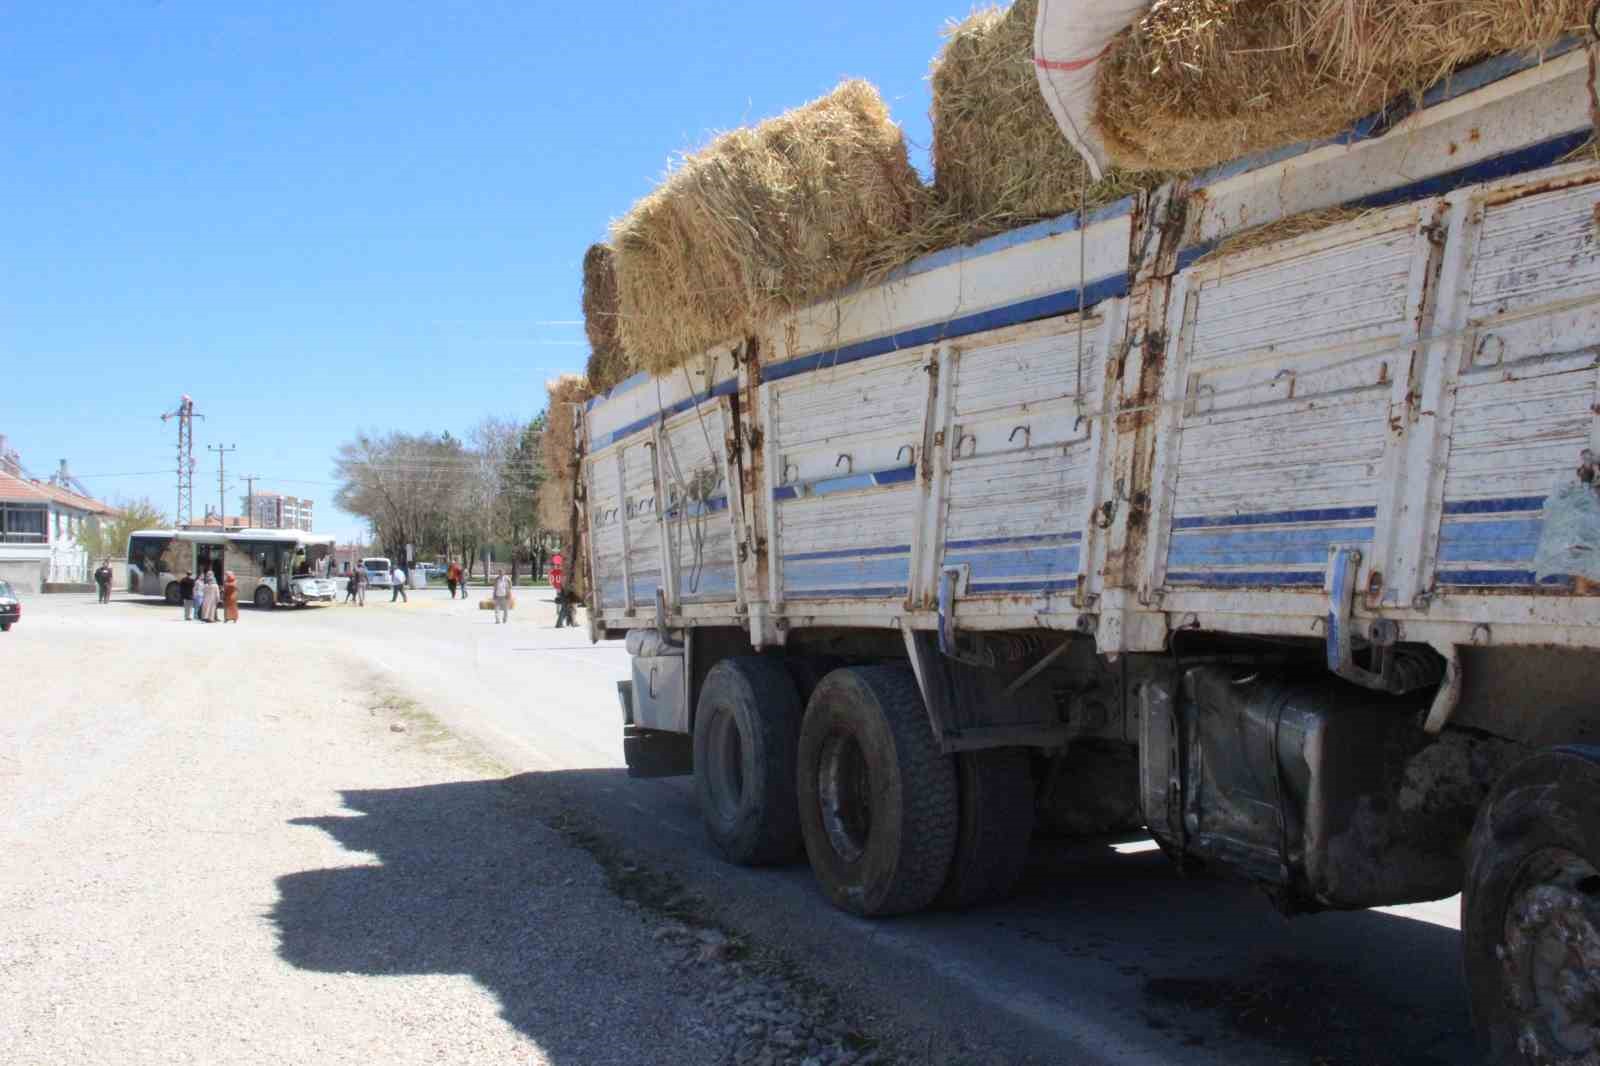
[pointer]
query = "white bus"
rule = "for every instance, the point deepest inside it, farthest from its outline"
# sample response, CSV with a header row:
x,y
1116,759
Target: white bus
x,y
273,566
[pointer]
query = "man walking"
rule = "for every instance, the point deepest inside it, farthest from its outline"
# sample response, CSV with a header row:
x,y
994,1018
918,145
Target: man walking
x,y
502,598
102,580
361,586
397,585
452,577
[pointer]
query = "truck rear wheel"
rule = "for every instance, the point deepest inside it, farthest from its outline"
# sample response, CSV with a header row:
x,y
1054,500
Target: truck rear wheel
x,y
1530,913
746,727
878,802
995,827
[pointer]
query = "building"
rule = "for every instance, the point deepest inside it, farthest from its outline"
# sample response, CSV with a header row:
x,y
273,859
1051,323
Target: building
x,y
40,526
210,521
273,510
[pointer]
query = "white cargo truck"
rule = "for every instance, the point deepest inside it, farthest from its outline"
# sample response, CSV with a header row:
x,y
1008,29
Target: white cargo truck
x,y
1286,549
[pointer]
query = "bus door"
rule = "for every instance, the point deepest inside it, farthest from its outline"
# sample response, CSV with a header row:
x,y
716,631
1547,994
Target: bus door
x,y
210,557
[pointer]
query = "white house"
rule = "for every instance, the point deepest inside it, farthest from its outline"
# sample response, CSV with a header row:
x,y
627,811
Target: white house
x,y
39,528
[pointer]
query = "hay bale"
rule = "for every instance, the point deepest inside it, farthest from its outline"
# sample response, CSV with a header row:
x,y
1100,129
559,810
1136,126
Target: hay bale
x,y
608,361
761,221
999,160
558,448
1200,82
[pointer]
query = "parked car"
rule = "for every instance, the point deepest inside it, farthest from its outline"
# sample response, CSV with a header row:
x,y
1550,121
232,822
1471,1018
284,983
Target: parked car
x,y
10,607
378,570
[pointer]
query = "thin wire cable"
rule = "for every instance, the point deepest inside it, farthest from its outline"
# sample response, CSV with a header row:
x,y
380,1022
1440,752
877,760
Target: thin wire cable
x,y
1083,272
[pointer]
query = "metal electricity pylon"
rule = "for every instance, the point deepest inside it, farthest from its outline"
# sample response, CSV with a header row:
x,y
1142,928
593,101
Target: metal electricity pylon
x,y
185,414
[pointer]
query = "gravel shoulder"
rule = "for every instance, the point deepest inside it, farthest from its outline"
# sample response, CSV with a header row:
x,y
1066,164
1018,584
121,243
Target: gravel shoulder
x,y
224,845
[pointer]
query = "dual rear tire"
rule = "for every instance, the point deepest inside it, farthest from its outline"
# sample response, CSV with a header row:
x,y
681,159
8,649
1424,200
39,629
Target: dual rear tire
x,y
889,824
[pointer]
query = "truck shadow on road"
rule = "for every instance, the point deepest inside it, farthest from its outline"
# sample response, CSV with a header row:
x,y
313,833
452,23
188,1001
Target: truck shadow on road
x,y
472,880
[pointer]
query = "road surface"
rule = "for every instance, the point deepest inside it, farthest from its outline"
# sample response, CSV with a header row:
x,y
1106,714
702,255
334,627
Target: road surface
x,y
1107,955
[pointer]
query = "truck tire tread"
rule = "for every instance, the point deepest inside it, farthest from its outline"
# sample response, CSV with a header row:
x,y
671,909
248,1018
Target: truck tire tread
x,y
996,804
758,693
907,858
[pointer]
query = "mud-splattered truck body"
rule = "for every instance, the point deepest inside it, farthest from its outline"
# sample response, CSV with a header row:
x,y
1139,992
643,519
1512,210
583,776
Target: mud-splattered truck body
x,y
1281,540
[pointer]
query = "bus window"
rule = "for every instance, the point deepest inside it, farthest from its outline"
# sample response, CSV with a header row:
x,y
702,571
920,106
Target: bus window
x,y
152,555
152,562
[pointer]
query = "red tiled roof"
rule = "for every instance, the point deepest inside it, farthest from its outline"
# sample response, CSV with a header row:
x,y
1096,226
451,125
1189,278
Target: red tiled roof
x,y
15,490
72,499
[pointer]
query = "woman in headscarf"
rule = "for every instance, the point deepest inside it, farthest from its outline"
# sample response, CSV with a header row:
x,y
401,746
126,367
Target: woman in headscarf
x,y
230,597
209,594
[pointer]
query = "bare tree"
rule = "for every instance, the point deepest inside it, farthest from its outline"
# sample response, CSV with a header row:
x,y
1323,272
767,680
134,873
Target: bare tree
x,y
403,484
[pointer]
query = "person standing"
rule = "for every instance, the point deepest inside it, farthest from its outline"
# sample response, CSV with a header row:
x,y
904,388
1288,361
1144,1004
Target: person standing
x,y
186,595
360,576
564,602
230,597
397,585
206,597
502,598
102,580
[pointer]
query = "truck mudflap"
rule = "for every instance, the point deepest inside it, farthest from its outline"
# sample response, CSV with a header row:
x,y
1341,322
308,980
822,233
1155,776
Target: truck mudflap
x,y
1327,796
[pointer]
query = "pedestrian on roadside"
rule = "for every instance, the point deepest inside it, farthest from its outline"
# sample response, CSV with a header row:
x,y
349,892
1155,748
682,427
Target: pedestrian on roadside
x,y
360,576
350,589
186,595
102,581
209,594
397,585
564,604
230,597
502,598
452,577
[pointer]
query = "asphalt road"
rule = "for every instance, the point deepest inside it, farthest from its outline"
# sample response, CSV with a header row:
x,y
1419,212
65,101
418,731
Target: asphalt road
x,y
1106,956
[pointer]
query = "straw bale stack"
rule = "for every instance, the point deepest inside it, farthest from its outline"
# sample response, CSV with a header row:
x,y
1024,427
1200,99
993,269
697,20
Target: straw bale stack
x,y
557,449
760,221
999,159
608,362
1200,82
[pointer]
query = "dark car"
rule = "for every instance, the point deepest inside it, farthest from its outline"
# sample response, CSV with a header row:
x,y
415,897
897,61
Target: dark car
x,y
10,607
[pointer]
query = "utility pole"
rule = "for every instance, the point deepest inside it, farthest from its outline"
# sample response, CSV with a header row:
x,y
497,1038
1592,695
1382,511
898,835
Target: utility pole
x,y
185,414
250,480
222,489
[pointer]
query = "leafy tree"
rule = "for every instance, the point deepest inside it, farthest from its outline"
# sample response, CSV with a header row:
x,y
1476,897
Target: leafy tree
x,y
107,538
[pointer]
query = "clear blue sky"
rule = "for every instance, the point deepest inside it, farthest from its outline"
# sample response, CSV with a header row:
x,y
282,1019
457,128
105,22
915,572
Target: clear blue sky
x,y
319,218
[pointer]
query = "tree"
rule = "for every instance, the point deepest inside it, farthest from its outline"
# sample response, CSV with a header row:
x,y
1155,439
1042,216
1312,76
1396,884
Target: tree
x,y
404,484
523,475
107,538
504,495
443,495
